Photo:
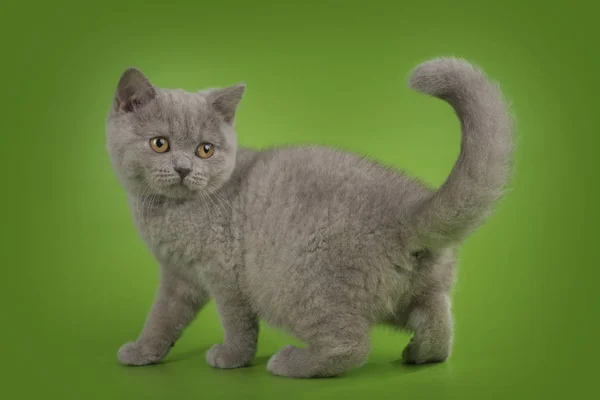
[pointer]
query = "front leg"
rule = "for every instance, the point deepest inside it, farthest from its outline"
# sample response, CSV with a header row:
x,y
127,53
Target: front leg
x,y
241,333
177,302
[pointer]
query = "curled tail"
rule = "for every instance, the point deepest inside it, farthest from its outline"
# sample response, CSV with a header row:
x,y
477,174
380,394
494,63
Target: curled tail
x,y
482,170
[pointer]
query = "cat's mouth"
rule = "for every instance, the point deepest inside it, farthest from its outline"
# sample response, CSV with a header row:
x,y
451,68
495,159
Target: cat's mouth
x,y
182,185
182,189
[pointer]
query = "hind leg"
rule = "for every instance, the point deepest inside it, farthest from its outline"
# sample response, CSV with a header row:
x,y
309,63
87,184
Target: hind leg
x,y
431,321
337,343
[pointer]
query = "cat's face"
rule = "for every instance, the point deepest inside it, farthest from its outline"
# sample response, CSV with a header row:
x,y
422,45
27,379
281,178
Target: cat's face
x,y
171,142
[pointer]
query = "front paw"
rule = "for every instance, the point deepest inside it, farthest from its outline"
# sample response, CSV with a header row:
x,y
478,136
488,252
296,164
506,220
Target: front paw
x,y
283,363
221,356
134,353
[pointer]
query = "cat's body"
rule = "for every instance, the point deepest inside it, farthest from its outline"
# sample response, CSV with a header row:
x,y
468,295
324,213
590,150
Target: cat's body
x,y
316,241
319,216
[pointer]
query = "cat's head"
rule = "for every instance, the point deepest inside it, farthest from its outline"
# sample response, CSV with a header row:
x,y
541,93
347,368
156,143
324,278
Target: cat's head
x,y
171,142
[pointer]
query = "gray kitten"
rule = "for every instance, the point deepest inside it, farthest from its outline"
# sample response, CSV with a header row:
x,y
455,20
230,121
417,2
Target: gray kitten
x,y
322,243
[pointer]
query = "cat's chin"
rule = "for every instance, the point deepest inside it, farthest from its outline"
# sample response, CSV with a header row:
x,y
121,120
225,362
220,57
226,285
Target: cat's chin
x,y
183,191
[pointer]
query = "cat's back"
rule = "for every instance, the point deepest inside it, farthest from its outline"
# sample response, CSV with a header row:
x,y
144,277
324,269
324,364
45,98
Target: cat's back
x,y
298,197
310,175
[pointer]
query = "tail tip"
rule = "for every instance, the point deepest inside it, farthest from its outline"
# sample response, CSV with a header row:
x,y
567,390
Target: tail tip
x,y
441,76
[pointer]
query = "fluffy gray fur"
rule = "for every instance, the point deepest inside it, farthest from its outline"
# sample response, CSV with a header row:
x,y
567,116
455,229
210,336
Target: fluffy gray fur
x,y
321,243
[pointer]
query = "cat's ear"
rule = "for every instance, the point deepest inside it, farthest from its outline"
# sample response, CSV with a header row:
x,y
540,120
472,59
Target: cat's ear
x,y
225,101
133,91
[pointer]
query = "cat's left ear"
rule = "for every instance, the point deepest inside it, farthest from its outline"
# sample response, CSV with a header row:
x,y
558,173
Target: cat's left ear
x,y
225,101
133,91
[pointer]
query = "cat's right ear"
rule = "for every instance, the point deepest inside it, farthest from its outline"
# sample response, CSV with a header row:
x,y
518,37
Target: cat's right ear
x,y
133,91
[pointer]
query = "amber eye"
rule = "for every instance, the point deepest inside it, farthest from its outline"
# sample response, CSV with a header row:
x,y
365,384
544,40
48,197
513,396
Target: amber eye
x,y
159,144
205,150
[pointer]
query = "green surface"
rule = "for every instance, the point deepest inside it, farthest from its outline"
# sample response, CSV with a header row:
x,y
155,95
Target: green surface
x,y
77,282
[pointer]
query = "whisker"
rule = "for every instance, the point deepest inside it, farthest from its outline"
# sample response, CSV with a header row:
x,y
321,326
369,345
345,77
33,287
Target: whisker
x,y
145,198
210,194
202,197
149,208
221,196
215,206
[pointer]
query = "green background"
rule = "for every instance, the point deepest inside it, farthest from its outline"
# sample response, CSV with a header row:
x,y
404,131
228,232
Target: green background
x,y
77,281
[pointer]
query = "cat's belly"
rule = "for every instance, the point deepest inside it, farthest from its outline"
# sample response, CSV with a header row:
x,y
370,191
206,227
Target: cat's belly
x,y
311,269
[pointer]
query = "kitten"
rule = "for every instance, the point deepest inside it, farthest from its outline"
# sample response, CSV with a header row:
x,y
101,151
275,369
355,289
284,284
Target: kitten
x,y
321,243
